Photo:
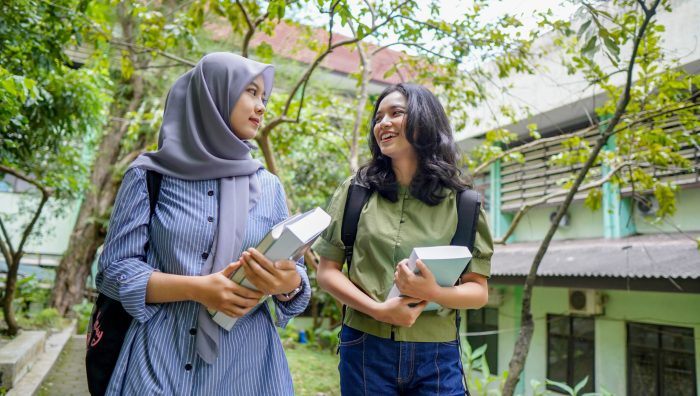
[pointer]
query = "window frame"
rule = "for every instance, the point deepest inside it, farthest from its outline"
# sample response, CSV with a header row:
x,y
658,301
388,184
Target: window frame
x,y
571,339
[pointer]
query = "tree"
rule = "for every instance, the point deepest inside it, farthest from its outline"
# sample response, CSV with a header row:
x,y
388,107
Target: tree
x,y
652,93
147,34
42,141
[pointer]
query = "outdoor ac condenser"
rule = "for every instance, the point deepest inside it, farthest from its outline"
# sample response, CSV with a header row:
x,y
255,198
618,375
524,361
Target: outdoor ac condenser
x,y
585,302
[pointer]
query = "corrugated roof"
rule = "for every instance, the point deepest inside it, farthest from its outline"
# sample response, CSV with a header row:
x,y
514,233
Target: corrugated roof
x,y
649,256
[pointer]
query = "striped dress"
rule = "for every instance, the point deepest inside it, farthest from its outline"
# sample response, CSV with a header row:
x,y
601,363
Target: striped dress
x,y
158,356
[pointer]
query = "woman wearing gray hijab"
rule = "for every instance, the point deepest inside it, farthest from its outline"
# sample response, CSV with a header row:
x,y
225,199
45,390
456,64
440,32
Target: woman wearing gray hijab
x,y
215,201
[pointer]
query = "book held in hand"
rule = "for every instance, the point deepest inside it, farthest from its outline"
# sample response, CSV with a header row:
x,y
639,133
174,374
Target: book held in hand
x,y
286,240
447,263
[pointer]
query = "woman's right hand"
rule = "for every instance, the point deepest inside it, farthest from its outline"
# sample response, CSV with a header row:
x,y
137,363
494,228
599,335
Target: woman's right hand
x,y
217,291
398,312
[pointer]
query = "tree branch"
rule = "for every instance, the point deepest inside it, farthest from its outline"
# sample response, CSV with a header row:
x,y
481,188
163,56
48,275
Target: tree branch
x,y
30,227
10,249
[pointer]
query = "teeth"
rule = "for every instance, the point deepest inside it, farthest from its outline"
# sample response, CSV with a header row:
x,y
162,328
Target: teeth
x,y
388,136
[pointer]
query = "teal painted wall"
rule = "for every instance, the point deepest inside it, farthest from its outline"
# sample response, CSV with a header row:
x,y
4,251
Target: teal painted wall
x,y
687,217
584,224
53,229
610,339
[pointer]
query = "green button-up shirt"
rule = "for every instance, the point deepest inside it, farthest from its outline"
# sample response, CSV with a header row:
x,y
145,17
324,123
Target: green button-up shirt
x,y
386,234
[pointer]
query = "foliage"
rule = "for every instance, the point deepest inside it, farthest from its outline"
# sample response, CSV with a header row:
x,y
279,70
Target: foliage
x,y
51,111
83,312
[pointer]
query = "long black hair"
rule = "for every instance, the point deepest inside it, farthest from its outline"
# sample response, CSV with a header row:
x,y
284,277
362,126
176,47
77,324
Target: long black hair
x,y
429,132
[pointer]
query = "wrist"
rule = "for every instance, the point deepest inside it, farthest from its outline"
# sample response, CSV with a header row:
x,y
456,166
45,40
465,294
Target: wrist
x,y
194,292
292,293
376,311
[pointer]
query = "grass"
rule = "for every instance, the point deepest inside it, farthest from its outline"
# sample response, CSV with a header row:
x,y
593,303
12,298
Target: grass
x,y
314,371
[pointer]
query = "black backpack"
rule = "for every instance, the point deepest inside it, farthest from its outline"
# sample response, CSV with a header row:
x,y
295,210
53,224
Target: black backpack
x,y
109,321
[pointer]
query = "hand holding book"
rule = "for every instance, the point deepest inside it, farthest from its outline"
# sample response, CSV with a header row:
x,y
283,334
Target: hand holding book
x,y
420,284
269,277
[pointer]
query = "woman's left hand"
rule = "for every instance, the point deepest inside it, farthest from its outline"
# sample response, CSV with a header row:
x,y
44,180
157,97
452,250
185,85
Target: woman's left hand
x,y
270,278
422,286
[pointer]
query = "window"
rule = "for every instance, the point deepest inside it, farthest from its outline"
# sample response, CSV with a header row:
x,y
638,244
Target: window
x,y
660,360
484,320
571,350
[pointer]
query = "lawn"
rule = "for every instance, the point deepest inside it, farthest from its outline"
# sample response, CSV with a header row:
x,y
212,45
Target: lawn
x,y
314,371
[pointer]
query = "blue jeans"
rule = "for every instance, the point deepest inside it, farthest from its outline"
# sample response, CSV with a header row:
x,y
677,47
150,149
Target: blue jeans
x,y
377,366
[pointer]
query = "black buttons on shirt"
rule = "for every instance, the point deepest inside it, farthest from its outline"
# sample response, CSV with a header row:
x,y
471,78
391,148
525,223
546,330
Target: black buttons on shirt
x,y
193,331
205,255
210,193
188,367
210,219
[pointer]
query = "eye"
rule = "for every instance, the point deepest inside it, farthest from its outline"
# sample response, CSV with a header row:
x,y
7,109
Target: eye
x,y
252,90
397,113
377,118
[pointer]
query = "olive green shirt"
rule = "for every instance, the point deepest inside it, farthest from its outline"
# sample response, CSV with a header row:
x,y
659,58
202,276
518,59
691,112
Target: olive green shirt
x,y
387,232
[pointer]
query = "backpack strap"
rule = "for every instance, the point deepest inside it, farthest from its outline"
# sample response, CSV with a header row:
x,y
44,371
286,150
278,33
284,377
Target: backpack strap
x,y
153,180
357,198
468,205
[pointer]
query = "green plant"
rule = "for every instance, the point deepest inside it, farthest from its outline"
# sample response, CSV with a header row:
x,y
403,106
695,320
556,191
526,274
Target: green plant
x,y
31,294
82,313
327,338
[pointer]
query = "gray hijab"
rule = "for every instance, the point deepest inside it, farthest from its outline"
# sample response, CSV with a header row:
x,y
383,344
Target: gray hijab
x,y
196,142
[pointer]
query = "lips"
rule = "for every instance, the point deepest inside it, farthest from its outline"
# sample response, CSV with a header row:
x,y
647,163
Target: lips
x,y
386,136
254,120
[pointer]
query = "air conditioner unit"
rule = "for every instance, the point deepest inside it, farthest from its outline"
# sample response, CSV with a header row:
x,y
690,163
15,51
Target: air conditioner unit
x,y
585,302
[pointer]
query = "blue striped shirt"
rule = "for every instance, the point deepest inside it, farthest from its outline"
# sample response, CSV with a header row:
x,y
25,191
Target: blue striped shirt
x,y
158,356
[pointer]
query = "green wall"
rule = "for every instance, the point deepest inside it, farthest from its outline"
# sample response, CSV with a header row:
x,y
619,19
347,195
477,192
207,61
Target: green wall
x,y
687,217
610,339
584,223
53,229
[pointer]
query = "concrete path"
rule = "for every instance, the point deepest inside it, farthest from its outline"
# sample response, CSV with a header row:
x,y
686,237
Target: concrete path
x,y
68,375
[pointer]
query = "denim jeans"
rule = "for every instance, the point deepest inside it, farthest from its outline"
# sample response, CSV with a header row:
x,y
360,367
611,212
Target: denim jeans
x,y
377,366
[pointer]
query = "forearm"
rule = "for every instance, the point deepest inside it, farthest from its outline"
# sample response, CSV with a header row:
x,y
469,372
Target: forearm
x,y
166,288
469,295
332,280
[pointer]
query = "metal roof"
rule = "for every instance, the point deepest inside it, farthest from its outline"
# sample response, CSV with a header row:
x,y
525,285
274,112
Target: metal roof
x,y
648,256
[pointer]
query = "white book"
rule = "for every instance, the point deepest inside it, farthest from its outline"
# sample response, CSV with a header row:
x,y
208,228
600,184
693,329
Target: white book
x,y
447,263
286,240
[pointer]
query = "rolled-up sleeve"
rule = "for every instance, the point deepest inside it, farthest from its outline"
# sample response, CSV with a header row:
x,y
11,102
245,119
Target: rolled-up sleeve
x,y
330,243
286,310
123,272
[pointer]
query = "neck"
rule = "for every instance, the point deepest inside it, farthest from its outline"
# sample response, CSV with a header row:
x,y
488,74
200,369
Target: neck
x,y
404,169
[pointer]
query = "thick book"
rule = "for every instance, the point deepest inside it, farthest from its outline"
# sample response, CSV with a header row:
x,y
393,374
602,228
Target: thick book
x,y
447,263
286,240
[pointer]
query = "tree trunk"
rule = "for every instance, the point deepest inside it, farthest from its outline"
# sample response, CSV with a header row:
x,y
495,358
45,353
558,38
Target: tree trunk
x,y
366,64
10,287
522,345
89,231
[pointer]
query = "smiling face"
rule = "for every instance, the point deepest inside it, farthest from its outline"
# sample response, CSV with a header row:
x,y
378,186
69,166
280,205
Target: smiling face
x,y
390,127
247,114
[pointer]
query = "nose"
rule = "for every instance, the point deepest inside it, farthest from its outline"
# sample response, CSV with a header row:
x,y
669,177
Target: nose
x,y
260,107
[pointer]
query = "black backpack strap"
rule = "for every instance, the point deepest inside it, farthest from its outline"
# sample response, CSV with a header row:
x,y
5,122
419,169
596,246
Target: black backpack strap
x,y
357,198
468,205
153,180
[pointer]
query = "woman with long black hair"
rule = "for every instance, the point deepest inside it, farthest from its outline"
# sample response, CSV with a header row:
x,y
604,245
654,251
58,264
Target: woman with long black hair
x,y
392,347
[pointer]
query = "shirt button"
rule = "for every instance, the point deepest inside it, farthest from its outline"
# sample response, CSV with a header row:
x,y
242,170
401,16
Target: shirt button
x,y
210,219
193,331
210,193
205,255
188,367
